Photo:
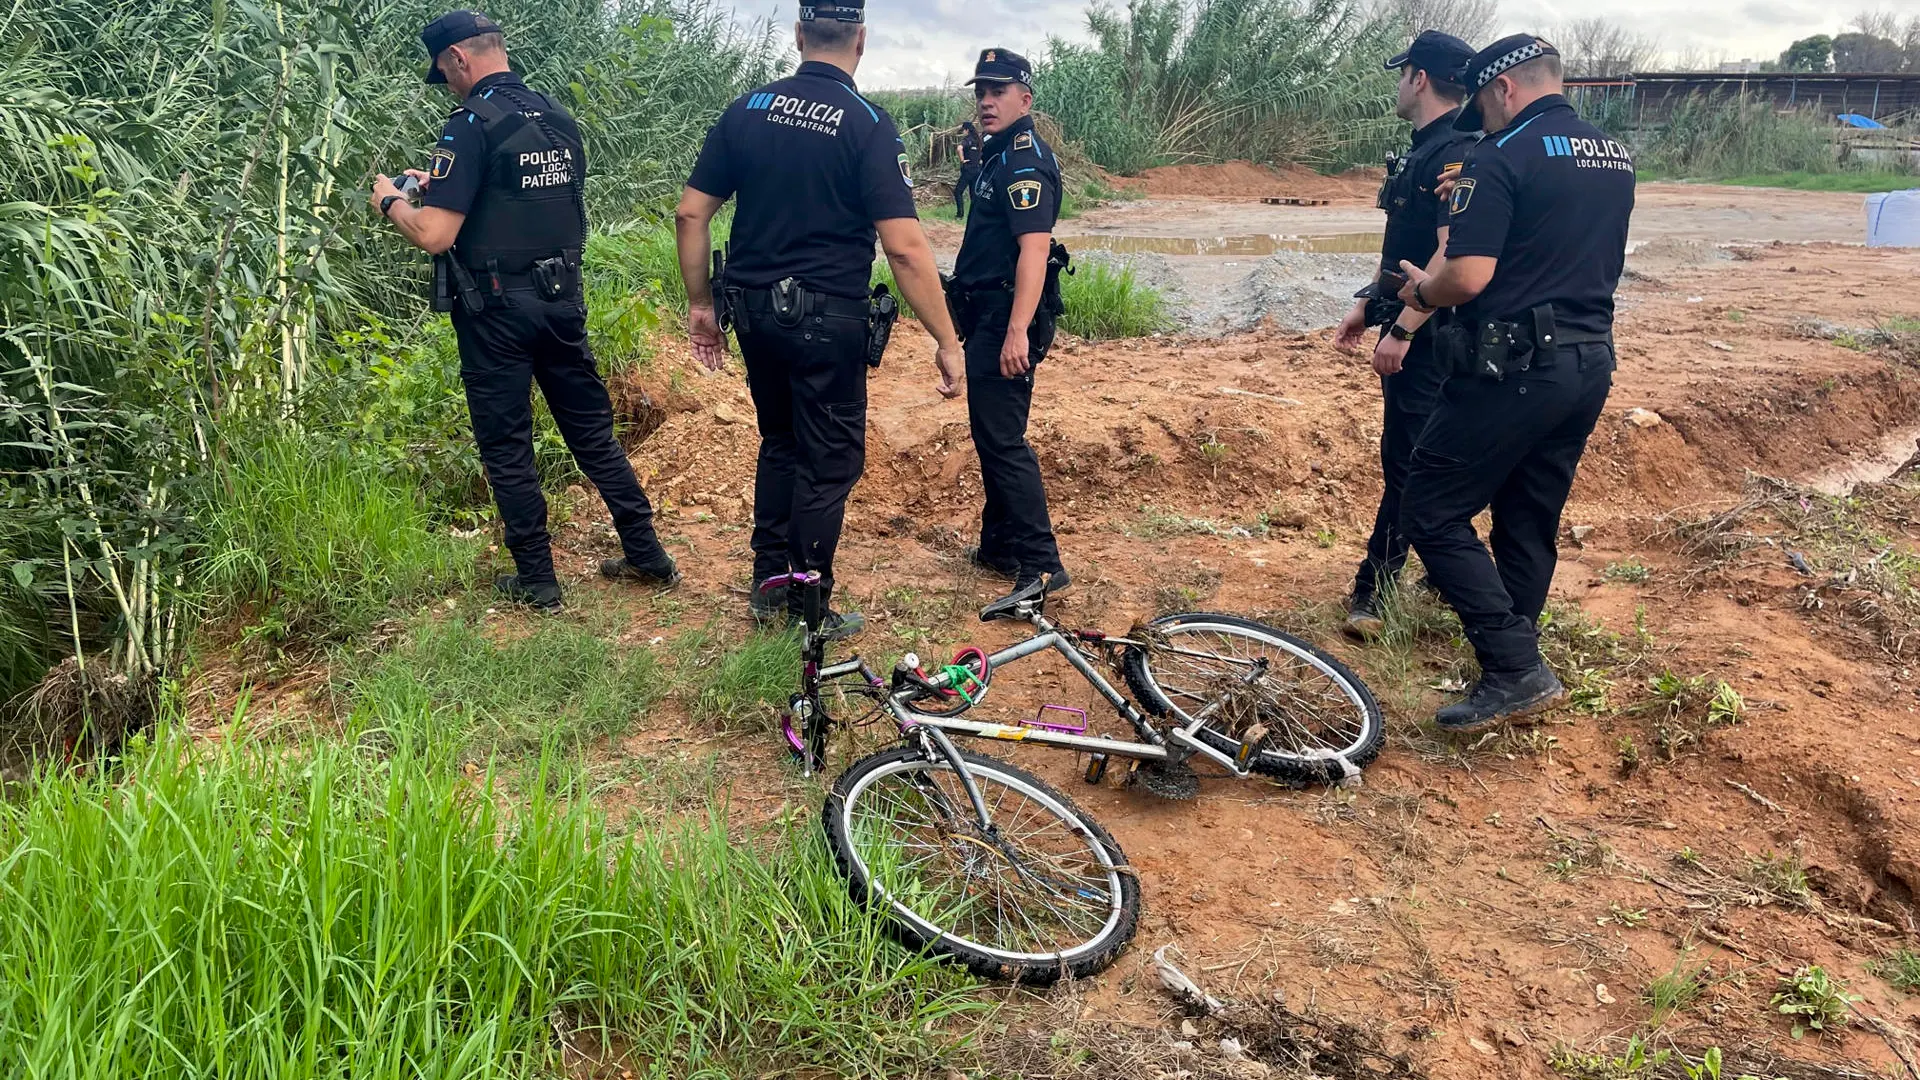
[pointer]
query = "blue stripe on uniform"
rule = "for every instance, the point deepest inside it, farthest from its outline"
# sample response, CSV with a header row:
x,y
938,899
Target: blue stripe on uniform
x,y
1017,172
1503,139
861,100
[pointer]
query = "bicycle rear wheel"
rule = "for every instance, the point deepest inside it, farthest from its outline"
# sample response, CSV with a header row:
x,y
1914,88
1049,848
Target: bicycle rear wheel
x,y
1047,893
1321,722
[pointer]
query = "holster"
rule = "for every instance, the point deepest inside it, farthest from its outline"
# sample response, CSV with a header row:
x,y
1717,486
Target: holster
x,y
882,312
557,276
469,289
959,307
442,298
1059,260
726,300
1452,344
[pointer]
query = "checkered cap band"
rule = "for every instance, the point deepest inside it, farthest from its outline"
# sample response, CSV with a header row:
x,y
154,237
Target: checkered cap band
x,y
1521,55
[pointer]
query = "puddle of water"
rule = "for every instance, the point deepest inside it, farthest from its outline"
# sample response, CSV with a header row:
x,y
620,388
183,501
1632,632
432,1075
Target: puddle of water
x,y
1893,451
1353,243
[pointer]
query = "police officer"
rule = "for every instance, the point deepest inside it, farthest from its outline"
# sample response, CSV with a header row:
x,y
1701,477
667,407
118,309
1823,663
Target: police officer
x,y
969,167
1006,297
819,170
1536,243
1416,229
502,206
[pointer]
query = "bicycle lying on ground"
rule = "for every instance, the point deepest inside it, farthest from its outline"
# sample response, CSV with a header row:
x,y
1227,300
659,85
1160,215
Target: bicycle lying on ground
x,y
983,862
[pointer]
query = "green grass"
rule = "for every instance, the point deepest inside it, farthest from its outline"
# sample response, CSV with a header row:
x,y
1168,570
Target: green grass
x,y
1108,302
249,913
740,684
1901,970
1676,989
1863,182
560,684
321,542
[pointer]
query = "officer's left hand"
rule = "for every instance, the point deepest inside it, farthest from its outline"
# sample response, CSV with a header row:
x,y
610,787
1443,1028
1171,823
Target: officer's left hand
x,y
1415,276
1389,355
1013,354
382,187
703,332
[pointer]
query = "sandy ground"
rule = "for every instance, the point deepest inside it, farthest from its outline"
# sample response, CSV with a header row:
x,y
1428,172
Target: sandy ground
x,y
1475,907
1226,259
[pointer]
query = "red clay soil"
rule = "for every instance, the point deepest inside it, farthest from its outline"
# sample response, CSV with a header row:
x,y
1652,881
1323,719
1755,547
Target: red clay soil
x,y
1478,904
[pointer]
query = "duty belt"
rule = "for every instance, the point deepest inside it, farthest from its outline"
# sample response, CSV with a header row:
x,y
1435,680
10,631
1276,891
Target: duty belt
x,y
764,302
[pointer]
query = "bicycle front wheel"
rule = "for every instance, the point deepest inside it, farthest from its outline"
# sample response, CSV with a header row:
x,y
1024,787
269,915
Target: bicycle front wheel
x,y
1044,892
1316,721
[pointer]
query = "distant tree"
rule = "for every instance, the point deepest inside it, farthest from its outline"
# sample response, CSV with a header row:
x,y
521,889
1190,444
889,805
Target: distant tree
x,y
1471,20
1808,54
1872,43
1596,47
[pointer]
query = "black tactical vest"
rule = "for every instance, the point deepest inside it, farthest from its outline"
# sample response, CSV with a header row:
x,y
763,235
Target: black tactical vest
x,y
531,205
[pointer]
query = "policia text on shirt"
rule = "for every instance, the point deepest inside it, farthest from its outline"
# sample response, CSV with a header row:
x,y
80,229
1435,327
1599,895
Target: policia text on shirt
x,y
1536,243
503,214
818,171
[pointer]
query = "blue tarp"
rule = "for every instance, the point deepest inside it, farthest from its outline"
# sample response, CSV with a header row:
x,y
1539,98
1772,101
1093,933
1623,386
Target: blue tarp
x,y
1867,122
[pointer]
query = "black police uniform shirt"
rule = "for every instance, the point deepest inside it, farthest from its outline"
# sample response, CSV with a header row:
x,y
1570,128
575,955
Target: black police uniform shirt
x,y
815,165
1549,196
1414,213
458,164
1018,193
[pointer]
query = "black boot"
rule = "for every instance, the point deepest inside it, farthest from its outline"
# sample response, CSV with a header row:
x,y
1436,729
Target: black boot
x,y
1497,698
768,605
541,596
996,567
1364,621
661,571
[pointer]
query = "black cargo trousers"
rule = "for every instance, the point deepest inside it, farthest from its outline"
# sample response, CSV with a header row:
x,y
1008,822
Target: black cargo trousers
x,y
1408,398
1015,528
809,387
1511,444
521,338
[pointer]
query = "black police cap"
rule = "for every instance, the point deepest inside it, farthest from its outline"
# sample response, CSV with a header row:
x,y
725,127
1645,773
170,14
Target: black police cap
x,y
1489,64
451,29
1440,55
852,11
1001,66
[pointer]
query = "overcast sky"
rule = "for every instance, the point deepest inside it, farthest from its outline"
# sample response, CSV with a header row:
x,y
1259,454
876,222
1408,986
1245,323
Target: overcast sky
x,y
913,43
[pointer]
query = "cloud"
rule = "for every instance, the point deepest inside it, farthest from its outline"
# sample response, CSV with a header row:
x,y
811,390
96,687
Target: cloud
x,y
934,42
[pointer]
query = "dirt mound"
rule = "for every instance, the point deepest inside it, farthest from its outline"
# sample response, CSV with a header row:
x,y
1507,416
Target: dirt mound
x,y
1244,179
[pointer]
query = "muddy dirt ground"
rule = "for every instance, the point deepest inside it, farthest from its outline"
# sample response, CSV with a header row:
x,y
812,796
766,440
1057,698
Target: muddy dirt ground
x,y
1476,907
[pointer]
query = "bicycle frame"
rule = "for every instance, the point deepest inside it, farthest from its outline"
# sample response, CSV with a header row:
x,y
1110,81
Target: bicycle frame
x,y
1175,746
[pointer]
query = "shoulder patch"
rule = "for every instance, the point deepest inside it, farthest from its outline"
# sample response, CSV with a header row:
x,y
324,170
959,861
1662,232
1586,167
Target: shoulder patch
x,y
905,173
1462,195
441,164
1024,194
1023,141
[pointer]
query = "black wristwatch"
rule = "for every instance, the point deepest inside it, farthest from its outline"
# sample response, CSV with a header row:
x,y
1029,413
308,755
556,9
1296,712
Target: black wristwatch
x,y
1398,332
386,204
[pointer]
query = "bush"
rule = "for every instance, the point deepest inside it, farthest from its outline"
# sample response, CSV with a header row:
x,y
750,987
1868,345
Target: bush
x,y
1291,81
1710,136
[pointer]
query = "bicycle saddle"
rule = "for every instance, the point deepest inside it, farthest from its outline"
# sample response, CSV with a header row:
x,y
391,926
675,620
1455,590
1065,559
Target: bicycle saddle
x,y
1021,604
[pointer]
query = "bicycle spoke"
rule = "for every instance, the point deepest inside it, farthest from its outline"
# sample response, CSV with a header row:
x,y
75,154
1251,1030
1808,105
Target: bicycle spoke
x,y
1299,704
1033,886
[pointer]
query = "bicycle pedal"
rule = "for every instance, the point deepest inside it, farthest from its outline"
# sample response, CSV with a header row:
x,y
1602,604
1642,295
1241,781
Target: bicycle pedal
x,y
1249,743
1096,768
